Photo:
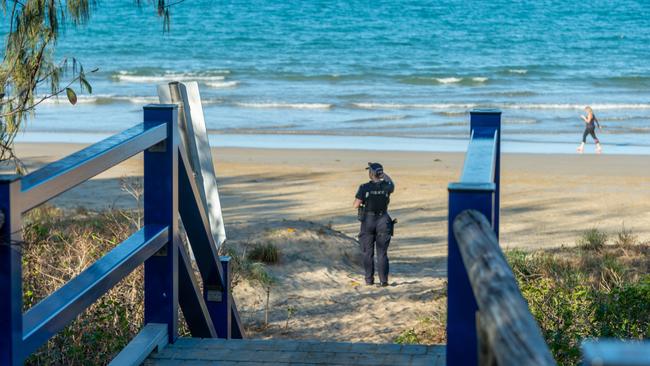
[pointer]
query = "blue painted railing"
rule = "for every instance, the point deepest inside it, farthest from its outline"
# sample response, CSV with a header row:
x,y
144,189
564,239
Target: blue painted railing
x,y
168,275
478,189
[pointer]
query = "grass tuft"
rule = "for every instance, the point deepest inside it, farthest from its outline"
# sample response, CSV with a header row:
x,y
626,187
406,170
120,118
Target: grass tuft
x,y
430,327
592,239
408,336
265,253
626,237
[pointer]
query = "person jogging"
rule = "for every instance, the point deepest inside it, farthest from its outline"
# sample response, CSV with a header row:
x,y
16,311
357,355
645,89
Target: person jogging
x,y
590,129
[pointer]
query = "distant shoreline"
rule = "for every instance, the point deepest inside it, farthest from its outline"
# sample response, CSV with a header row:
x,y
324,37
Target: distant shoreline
x,y
342,142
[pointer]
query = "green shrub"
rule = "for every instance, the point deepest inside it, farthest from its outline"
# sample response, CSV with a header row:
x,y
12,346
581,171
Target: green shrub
x,y
407,337
564,314
592,239
57,248
265,253
574,296
247,267
624,312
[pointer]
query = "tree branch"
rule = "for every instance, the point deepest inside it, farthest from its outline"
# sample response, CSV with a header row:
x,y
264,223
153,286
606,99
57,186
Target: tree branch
x,y
31,107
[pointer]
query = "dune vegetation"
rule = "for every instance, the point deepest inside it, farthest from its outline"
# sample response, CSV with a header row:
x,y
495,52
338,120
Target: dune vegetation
x,y
598,288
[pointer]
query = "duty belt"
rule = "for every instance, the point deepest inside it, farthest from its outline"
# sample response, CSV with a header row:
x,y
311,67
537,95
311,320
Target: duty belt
x,y
375,213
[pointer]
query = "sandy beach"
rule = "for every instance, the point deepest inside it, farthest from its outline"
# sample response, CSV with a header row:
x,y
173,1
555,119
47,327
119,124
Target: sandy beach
x,y
301,201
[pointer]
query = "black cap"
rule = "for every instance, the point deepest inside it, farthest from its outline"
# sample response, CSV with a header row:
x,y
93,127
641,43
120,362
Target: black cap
x,y
376,168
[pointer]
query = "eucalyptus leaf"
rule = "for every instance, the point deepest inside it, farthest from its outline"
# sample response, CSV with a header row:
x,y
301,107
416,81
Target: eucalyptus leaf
x,y
72,96
86,85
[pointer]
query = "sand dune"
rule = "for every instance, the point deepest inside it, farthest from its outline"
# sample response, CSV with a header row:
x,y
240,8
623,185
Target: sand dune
x,y
547,200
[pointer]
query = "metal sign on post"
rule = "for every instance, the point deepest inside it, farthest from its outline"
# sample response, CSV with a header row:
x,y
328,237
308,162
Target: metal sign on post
x,y
194,136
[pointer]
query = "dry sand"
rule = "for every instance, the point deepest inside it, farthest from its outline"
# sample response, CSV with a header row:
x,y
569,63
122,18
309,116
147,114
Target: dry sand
x,y
301,201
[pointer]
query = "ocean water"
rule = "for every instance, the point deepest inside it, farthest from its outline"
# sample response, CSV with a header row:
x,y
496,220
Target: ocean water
x,y
384,72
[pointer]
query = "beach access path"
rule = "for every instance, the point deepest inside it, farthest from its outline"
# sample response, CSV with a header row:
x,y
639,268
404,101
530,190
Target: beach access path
x,y
547,201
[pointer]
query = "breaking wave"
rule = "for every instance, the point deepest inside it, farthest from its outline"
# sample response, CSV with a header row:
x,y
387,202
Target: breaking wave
x,y
169,76
543,106
222,84
413,106
281,105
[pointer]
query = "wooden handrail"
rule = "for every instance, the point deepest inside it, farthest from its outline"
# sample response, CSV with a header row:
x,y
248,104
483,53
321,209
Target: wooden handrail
x,y
513,336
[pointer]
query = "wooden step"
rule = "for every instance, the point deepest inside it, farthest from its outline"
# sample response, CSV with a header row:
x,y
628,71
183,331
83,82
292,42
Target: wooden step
x,y
249,352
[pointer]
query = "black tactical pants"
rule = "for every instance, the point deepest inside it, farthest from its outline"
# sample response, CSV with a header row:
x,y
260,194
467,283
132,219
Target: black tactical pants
x,y
375,231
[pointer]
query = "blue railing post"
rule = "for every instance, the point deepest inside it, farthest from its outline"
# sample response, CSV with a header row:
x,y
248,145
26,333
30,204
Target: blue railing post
x,y
477,191
161,208
486,120
218,302
462,345
11,294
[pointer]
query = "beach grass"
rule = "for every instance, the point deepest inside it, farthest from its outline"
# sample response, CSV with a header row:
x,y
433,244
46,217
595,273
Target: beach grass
x,y
264,253
593,290
592,239
626,237
59,246
578,294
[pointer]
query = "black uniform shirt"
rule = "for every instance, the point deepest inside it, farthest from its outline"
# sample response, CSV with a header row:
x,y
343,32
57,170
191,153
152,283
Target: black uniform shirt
x,y
374,195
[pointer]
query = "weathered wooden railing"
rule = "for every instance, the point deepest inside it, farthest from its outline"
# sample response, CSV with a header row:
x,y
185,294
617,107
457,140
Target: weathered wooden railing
x,y
507,333
167,269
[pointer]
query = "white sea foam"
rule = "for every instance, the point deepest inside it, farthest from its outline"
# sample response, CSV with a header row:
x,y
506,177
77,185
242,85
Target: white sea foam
x,y
81,99
222,84
449,80
279,105
126,99
413,106
518,71
520,121
447,108
103,99
464,106
480,79
140,100
604,106
127,76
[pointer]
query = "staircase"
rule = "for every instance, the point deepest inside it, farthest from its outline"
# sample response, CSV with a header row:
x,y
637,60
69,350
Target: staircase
x,y
249,352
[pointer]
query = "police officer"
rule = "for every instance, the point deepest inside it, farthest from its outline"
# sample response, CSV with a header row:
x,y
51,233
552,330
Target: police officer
x,y
376,225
